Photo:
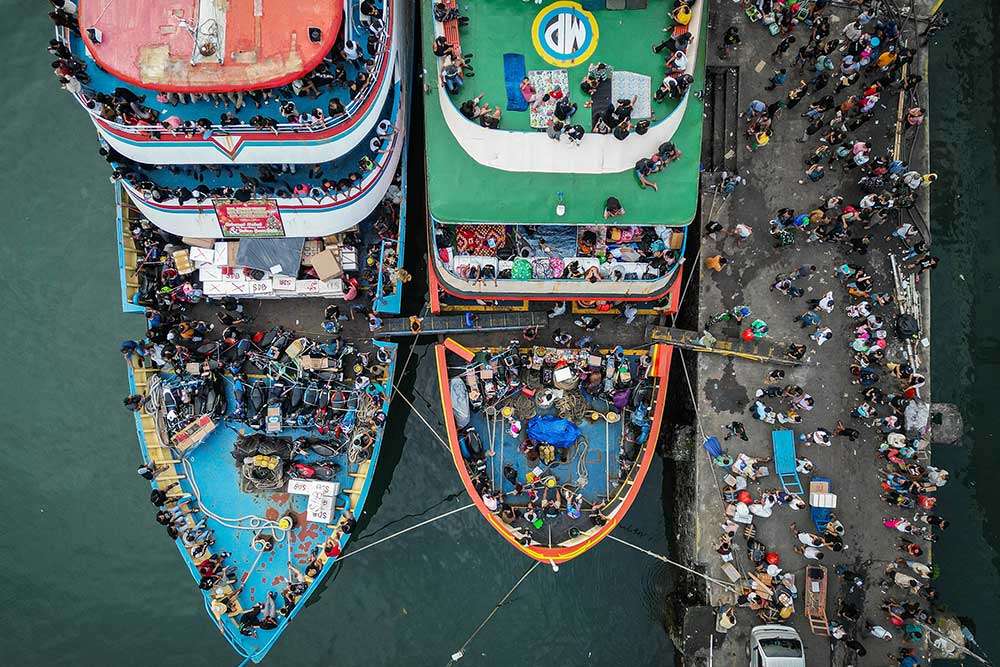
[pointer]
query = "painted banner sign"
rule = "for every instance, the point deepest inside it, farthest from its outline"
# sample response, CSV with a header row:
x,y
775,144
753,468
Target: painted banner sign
x,y
256,217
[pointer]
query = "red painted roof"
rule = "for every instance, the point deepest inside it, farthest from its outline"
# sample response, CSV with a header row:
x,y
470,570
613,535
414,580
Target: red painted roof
x,y
266,42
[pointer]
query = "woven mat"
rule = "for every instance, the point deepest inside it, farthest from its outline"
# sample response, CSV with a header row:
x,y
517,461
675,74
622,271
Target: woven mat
x,y
543,81
475,239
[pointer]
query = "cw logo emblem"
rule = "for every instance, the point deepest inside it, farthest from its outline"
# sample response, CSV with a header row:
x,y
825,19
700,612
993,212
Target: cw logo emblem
x,y
564,34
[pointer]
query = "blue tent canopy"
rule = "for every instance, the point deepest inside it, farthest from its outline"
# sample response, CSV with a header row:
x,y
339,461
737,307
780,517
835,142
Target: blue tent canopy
x,y
554,430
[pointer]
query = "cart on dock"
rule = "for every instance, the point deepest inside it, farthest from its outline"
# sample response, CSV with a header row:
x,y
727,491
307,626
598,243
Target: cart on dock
x,y
815,600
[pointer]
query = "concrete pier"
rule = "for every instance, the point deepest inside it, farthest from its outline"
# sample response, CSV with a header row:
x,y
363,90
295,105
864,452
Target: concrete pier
x,y
724,388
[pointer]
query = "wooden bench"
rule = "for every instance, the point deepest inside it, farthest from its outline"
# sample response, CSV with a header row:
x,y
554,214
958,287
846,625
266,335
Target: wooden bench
x,y
451,28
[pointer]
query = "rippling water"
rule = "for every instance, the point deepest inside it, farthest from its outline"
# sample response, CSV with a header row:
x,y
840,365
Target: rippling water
x,y
965,144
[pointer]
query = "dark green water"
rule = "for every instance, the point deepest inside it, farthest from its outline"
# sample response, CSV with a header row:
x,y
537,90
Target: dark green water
x,y
91,579
965,144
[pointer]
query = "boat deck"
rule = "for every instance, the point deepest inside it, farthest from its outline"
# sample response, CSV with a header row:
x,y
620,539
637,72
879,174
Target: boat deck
x,y
253,44
210,475
561,456
107,80
625,43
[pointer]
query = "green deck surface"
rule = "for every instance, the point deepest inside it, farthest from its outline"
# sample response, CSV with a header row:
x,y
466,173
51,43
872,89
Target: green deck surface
x,y
462,190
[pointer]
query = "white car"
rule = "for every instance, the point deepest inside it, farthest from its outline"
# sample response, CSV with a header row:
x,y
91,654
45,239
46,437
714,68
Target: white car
x,y
775,646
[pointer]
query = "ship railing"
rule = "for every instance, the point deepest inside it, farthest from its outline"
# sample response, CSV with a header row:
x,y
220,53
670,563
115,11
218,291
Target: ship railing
x,y
63,35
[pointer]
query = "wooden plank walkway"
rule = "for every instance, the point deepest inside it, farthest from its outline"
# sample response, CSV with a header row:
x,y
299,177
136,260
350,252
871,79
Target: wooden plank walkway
x,y
455,324
764,350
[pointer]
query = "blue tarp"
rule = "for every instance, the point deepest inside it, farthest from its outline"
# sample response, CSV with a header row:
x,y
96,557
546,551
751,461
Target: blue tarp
x,y
513,73
713,447
554,430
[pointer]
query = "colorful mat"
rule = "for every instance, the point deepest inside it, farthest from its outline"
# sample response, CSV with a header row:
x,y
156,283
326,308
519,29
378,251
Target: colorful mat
x,y
625,85
482,240
513,74
545,81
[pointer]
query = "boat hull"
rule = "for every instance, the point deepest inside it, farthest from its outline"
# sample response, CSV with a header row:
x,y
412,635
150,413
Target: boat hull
x,y
624,496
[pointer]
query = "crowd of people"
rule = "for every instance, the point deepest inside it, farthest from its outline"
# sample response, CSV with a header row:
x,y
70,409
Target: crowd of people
x,y
318,182
616,119
350,66
865,64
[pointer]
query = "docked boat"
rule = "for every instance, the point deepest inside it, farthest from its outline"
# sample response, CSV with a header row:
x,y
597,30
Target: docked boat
x,y
568,167
562,167
552,444
258,156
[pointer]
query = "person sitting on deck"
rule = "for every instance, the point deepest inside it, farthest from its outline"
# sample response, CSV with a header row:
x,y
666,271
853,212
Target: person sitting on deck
x,y
681,14
613,208
444,13
673,43
599,72
490,120
442,47
451,75
551,508
595,515
270,620
529,93
668,152
150,469
249,620
575,133
676,63
490,502
470,108
564,109
554,130
643,168
347,522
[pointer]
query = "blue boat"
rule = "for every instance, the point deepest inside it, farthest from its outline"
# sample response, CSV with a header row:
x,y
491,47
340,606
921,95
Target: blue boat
x,y
276,494
258,155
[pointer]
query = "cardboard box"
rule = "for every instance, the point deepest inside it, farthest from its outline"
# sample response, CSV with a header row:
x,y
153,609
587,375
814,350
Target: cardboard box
x,y
306,286
327,265
213,287
198,243
201,255
259,287
192,434
236,287
232,247
210,273
183,262
311,248
319,509
220,253
332,287
314,363
349,258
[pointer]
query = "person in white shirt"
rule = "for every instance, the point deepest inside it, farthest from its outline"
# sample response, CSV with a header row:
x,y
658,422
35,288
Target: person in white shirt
x,y
67,6
878,632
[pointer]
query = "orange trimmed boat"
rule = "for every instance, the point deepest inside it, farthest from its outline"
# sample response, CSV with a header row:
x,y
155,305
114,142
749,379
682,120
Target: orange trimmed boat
x,y
553,444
